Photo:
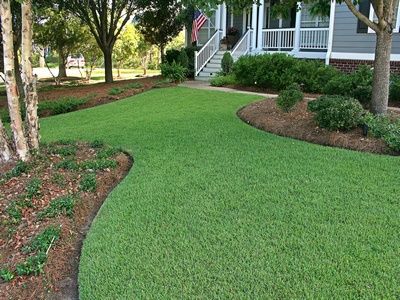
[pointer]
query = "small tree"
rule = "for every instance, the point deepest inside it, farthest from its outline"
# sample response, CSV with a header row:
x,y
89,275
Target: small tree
x,y
125,46
159,21
91,52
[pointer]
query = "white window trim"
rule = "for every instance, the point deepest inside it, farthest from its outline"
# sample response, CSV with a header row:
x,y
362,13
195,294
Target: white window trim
x,y
397,23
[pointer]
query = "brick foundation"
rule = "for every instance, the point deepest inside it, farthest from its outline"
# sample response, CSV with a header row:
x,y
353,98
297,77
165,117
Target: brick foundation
x,y
349,65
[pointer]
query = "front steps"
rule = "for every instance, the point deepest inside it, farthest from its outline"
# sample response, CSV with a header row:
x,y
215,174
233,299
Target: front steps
x,y
212,67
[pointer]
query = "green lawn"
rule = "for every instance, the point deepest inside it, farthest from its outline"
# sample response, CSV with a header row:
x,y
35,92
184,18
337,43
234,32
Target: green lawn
x,y
214,208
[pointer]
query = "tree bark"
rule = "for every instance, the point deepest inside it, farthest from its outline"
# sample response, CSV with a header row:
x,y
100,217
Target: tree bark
x,y
17,69
5,150
62,71
108,65
20,143
381,79
31,97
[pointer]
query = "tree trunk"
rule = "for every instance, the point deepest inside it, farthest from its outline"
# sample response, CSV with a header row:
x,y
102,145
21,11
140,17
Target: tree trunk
x,y
108,65
21,146
62,71
381,79
5,151
41,59
17,69
31,97
162,48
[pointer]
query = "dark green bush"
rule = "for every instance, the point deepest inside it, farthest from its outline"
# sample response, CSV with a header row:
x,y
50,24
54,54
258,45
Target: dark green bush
x,y
289,97
6,275
61,106
174,71
223,80
395,88
337,112
171,56
227,63
183,59
190,53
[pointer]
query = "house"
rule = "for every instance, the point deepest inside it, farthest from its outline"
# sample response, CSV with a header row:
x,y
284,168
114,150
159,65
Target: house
x,y
339,39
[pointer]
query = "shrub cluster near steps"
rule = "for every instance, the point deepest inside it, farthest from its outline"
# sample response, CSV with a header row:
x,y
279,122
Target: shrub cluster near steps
x,y
278,71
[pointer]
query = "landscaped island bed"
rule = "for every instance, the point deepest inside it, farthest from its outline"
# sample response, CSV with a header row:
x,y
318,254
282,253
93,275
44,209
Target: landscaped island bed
x,y
46,207
214,208
299,124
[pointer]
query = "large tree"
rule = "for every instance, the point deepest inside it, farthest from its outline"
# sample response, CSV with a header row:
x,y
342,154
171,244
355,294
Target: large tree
x,y
106,19
160,21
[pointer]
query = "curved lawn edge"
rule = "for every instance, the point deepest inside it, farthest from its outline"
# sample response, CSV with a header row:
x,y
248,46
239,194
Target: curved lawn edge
x,y
71,289
337,140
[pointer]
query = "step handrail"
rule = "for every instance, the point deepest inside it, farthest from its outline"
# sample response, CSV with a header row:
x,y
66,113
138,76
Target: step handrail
x,y
204,55
243,46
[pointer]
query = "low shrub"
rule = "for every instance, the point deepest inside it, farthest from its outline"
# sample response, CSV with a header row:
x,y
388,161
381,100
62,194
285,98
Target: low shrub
x,y
33,265
183,59
67,150
171,56
20,168
43,240
289,97
67,164
173,71
115,91
223,80
88,183
383,127
59,206
227,63
337,112
133,86
61,106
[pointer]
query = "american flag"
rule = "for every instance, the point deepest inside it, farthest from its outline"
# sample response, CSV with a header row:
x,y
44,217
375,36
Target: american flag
x,y
198,20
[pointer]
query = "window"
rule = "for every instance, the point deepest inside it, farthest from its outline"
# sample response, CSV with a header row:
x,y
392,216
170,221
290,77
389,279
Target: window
x,y
365,7
310,21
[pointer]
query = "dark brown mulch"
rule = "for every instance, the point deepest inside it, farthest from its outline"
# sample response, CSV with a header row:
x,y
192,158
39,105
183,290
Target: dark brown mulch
x,y
59,277
299,124
96,93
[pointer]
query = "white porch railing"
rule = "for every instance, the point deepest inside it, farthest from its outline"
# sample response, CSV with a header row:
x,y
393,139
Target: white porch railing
x,y
203,56
314,38
243,46
284,38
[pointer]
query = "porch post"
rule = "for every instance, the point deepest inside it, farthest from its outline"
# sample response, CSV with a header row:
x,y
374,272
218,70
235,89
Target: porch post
x,y
330,34
254,26
297,32
218,18
223,25
260,25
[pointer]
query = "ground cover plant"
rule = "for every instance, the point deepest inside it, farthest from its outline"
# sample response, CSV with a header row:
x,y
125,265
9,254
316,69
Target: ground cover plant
x,y
217,209
44,211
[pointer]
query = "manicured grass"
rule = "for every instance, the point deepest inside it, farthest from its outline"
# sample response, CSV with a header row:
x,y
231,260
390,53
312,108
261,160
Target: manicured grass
x,y
216,209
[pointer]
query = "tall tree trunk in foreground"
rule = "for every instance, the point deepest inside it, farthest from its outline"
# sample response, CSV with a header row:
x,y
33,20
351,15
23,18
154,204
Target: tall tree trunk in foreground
x,y
5,151
380,88
108,65
62,71
31,98
20,143
18,77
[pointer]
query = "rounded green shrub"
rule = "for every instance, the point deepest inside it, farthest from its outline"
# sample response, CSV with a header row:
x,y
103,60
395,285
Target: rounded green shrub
x,y
223,80
173,71
288,98
337,112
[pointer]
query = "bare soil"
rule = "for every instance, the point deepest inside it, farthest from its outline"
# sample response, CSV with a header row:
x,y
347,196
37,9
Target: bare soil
x,y
299,124
59,277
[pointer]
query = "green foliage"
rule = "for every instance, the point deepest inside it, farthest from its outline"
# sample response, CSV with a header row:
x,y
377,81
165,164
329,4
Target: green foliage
x,y
289,97
107,152
173,71
115,91
97,144
381,126
14,212
98,164
58,179
394,94
67,164
223,80
190,53
59,206
133,86
183,59
33,265
20,168
61,106
33,188
43,240
88,183
227,63
65,151
337,112
6,275
277,71
357,85
171,56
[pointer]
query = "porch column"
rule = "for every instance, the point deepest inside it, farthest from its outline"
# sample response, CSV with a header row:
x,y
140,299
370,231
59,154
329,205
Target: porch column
x,y
218,18
297,32
223,25
330,34
260,25
254,26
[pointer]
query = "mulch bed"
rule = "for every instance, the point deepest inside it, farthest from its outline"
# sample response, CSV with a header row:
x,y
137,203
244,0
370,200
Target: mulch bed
x,y
299,124
96,93
58,280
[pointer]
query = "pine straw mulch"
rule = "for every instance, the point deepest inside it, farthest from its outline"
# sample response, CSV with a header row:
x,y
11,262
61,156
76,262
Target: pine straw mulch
x,y
57,278
299,124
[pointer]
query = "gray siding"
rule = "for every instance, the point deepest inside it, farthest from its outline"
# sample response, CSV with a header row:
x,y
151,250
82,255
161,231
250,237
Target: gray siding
x,y
346,39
